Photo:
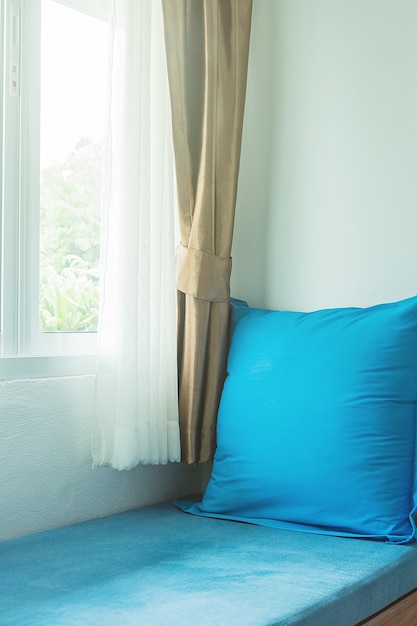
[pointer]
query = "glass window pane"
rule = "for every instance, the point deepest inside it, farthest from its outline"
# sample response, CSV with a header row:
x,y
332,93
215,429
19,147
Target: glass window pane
x,y
73,77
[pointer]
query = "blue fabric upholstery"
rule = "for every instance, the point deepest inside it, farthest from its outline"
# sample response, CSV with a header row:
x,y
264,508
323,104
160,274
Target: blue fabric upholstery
x,y
317,422
158,567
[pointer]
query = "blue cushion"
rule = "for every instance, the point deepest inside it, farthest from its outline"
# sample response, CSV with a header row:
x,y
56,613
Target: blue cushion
x,y
317,422
155,566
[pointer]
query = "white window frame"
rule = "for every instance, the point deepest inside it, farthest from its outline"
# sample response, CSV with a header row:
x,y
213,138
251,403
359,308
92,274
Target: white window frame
x,y
25,351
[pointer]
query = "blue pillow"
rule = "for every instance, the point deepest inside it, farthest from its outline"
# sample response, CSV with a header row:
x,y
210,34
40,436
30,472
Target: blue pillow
x,y
317,422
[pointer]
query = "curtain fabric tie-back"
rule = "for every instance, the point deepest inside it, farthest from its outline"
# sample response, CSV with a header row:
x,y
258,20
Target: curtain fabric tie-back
x,y
203,275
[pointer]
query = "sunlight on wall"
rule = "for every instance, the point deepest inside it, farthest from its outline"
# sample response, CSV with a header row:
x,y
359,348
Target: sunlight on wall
x,y
342,154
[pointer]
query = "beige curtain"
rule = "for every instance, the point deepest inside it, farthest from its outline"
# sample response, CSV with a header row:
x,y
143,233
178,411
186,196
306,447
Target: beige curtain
x,y
207,45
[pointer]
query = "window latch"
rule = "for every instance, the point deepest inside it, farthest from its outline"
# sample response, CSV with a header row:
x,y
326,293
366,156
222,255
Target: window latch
x,y
14,50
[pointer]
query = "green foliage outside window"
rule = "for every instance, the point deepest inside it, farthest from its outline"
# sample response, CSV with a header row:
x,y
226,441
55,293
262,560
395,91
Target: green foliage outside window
x,y
70,241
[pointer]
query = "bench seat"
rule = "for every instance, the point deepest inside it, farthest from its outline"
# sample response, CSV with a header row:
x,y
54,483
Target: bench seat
x,y
159,566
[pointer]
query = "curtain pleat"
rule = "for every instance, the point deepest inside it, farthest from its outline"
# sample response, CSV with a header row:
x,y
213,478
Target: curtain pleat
x,y
136,417
207,47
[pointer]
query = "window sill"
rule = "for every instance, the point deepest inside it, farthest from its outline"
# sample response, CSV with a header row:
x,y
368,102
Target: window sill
x,y
26,367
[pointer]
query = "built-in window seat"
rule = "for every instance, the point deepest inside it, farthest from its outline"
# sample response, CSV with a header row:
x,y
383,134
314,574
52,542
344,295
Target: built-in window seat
x,y
160,566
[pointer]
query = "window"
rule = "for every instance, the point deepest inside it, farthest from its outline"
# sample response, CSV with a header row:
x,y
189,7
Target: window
x,y
52,113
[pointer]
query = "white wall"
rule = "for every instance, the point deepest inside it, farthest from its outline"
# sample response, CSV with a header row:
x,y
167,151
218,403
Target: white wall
x,y
249,252
329,156
46,475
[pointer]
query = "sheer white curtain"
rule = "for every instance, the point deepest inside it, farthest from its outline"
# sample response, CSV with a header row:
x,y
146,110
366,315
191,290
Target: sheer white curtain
x,y
136,417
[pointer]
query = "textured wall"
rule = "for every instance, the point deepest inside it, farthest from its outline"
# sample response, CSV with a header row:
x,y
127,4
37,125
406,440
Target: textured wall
x,y
46,478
